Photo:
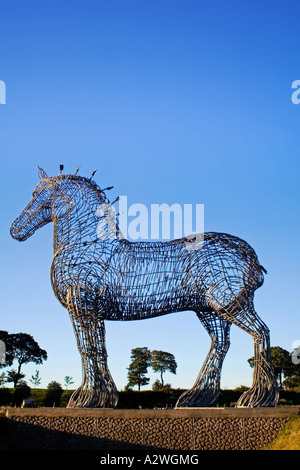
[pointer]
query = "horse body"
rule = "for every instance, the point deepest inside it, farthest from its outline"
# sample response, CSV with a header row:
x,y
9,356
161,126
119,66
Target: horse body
x,y
109,278
143,280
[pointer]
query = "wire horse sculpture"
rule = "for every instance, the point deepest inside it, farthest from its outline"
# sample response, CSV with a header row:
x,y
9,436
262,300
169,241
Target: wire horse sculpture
x,y
100,278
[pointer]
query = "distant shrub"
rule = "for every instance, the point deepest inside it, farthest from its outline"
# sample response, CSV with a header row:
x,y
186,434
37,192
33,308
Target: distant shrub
x,y
157,385
53,394
5,397
21,392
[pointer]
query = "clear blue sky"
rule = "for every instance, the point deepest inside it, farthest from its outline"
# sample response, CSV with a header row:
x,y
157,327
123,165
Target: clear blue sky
x,y
172,101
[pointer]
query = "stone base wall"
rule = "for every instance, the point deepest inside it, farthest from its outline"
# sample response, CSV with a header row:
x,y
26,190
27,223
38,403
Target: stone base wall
x,y
178,429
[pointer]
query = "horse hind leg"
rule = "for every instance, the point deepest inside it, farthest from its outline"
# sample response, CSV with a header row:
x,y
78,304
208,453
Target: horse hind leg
x,y
264,389
206,389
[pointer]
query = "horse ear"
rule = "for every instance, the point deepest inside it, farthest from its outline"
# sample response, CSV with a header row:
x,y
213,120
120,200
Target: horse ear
x,y
42,174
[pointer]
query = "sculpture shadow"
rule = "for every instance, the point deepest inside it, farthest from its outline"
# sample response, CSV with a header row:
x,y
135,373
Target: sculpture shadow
x,y
19,436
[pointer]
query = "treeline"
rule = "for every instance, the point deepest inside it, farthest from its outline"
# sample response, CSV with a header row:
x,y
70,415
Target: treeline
x,y
21,348
145,399
52,396
167,398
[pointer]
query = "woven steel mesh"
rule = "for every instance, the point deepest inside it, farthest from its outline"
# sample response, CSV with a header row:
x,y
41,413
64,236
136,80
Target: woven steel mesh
x,y
97,275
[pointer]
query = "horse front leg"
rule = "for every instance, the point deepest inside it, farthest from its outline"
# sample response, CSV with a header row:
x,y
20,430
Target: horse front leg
x,y
207,386
97,389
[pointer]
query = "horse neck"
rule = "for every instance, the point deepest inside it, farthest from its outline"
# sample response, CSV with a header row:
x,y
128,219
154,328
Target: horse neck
x,y
79,224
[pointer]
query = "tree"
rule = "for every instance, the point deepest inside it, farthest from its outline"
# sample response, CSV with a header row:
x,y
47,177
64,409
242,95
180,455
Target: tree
x,y
282,363
5,396
157,386
2,379
162,361
292,383
53,394
14,376
141,359
22,348
35,379
21,392
68,381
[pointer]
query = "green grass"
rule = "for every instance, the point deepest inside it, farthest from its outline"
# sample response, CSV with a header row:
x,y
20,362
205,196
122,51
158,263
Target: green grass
x,y
38,395
288,438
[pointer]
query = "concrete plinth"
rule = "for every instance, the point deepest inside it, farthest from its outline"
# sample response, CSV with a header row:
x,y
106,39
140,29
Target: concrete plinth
x,y
176,429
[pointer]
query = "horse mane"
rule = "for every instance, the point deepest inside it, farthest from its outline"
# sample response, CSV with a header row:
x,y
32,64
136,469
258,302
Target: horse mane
x,y
85,181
